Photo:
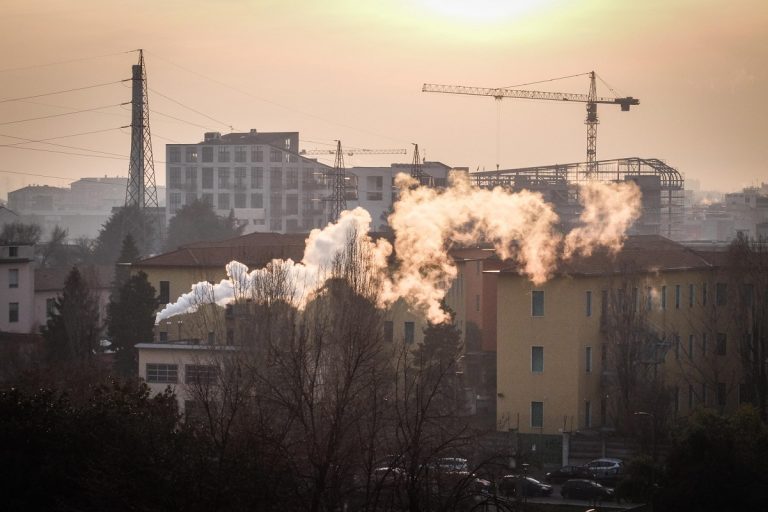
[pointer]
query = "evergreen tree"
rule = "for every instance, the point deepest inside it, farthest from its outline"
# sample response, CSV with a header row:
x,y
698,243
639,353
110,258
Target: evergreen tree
x,y
125,221
72,331
129,253
197,222
130,320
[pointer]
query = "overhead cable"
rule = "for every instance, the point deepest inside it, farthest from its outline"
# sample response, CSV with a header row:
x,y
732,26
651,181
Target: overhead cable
x,y
63,91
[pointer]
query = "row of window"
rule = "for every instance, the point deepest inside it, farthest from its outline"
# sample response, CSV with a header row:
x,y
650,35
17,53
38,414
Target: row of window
x,y
721,298
240,178
226,154
199,374
409,332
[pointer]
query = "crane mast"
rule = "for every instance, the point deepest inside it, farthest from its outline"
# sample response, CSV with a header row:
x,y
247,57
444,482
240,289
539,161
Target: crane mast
x,y
591,99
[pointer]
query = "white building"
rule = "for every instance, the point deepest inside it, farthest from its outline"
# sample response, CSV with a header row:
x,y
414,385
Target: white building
x,y
17,288
260,176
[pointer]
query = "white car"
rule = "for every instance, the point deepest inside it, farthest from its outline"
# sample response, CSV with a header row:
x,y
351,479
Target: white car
x,y
605,468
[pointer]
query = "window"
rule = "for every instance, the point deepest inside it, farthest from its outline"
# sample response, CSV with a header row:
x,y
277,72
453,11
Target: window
x,y
603,355
691,295
174,154
50,307
537,414
537,303
721,294
174,177
163,336
240,177
292,178
537,359
677,296
604,302
292,205
691,345
589,302
224,202
721,394
588,359
477,303
375,186
208,177
257,154
207,154
388,331
13,278
162,373
174,201
224,182
240,154
190,178
207,199
191,154
721,344
704,294
663,297
409,332
287,143
275,178
240,200
275,155
257,177
165,292
13,252
201,374
13,312
257,201
223,154
587,414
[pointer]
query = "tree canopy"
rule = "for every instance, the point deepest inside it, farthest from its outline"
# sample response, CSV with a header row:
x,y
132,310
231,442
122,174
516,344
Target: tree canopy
x,y
72,331
126,221
197,222
20,233
130,320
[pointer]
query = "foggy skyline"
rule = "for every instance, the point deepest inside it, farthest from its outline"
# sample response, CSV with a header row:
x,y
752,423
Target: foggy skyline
x,y
353,71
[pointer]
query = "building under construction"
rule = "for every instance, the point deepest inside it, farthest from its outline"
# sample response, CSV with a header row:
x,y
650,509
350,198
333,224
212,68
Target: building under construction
x,y
660,184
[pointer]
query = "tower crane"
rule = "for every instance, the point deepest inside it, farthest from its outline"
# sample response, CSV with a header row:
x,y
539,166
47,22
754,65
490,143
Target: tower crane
x,y
591,99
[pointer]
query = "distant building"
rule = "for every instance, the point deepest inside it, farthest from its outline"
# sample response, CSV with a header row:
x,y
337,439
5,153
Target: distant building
x,y
81,209
7,216
259,176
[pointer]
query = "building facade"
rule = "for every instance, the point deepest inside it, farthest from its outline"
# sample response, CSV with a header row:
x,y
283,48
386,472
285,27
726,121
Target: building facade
x,y
259,176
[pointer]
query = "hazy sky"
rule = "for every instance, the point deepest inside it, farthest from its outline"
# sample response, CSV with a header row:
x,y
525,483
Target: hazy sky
x,y
353,70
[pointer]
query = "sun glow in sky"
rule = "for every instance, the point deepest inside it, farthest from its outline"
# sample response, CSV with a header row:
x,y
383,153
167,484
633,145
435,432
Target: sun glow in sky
x,y
483,11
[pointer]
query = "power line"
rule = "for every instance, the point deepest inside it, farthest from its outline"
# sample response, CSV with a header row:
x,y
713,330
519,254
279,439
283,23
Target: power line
x,y
181,120
37,175
62,91
30,141
190,108
68,108
292,109
60,115
118,157
33,66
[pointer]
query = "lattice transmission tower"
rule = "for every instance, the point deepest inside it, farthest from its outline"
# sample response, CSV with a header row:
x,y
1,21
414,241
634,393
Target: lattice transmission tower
x,y
338,198
141,190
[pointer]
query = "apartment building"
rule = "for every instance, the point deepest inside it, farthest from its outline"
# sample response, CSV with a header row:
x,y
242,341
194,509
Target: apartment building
x,y
17,275
259,176
556,342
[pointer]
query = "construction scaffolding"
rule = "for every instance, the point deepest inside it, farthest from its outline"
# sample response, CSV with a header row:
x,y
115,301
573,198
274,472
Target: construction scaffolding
x,y
662,187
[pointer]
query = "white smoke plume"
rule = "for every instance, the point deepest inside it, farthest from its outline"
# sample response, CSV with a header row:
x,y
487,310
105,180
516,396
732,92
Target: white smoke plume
x,y
426,223
322,246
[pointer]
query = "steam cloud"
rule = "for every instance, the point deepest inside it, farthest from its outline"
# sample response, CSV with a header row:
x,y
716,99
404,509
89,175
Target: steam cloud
x,y
426,222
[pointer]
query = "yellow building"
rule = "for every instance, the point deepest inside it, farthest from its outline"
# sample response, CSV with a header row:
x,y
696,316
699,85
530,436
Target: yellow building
x,y
657,311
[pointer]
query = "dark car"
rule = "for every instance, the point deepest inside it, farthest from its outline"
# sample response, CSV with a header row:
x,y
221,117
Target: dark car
x,y
582,489
567,473
519,486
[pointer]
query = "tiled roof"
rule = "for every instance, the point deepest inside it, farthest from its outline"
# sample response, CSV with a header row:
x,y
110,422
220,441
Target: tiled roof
x,y
52,279
640,253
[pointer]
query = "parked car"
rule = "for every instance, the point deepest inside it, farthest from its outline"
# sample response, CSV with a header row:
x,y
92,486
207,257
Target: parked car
x,y
606,471
520,485
567,473
583,489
